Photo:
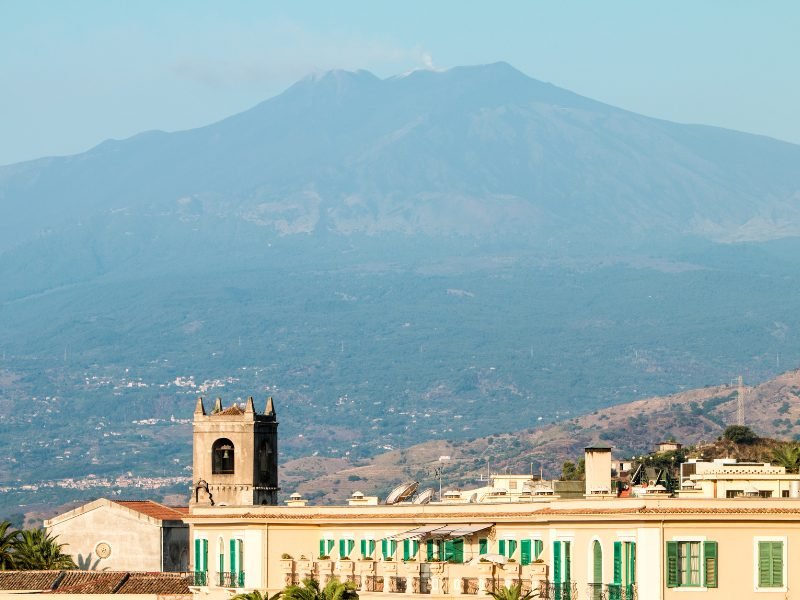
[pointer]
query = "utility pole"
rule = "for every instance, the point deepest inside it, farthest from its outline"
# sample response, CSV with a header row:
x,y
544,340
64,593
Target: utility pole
x,y
740,403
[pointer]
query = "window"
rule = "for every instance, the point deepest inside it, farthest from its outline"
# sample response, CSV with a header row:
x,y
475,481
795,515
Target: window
x,y
368,548
691,563
410,549
538,548
483,546
346,548
525,552
388,548
507,547
770,564
454,551
325,547
222,457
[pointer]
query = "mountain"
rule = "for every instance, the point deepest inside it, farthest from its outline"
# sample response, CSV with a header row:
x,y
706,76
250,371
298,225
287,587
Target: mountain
x,y
476,151
435,256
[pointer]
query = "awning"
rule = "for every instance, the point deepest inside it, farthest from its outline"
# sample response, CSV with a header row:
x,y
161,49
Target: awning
x,y
456,530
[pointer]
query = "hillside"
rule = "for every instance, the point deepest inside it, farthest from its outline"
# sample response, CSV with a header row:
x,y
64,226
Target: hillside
x,y
695,417
437,256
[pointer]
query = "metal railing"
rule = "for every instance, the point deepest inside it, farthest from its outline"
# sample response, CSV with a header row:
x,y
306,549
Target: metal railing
x,y
616,591
200,577
231,579
567,590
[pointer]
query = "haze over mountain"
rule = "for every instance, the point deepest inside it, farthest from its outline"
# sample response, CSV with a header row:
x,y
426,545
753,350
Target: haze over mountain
x,y
433,255
482,151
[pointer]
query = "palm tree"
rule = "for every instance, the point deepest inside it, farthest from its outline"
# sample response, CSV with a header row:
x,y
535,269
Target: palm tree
x,y
8,540
37,550
787,456
256,595
513,593
310,590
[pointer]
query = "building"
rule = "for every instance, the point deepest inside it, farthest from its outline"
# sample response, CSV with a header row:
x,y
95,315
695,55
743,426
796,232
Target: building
x,y
729,478
598,546
124,536
513,530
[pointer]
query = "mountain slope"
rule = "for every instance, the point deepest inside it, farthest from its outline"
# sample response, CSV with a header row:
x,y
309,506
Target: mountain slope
x,y
693,417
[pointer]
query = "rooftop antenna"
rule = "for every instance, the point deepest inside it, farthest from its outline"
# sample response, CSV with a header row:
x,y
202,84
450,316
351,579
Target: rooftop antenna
x,y
740,403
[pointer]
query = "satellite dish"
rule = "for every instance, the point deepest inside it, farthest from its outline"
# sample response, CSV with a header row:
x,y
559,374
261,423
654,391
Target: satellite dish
x,y
404,491
424,496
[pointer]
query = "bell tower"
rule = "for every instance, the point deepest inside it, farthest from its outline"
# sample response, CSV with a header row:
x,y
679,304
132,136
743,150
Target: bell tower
x,y
235,455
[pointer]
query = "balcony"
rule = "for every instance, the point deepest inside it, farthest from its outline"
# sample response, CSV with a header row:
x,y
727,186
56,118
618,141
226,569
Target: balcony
x,y
200,578
233,579
567,590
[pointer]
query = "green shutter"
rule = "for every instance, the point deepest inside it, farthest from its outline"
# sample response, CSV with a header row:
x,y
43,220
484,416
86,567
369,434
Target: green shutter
x,y
429,550
630,574
770,564
363,547
512,548
597,562
342,548
371,546
458,551
322,547
330,547
671,564
197,565
384,548
414,548
406,549
221,560
204,554
710,566
567,561
557,562
525,552
501,547
483,546
618,562
233,556
538,548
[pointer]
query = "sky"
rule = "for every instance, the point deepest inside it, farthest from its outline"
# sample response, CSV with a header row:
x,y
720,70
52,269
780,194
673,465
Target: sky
x,y
73,74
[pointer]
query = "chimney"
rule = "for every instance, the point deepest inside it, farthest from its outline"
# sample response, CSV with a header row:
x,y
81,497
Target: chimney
x,y
598,472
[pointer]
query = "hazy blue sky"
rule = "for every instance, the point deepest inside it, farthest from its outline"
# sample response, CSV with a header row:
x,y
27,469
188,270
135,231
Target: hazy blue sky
x,y
75,73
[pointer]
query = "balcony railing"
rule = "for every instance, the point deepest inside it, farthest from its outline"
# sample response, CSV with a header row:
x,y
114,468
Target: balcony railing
x,y
200,577
567,590
232,579
616,591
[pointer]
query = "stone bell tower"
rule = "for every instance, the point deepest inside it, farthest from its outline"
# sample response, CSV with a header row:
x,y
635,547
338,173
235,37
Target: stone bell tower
x,y
235,456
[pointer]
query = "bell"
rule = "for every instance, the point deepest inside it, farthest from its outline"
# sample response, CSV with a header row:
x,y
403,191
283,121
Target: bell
x,y
225,454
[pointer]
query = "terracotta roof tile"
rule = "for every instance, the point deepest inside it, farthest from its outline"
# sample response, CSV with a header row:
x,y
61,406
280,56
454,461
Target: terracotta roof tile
x,y
89,582
232,410
155,510
157,583
28,580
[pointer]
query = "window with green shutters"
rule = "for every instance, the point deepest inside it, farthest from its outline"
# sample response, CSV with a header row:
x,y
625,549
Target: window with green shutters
x,y
368,548
429,556
617,563
483,546
512,548
346,547
388,548
233,556
410,549
770,564
200,555
454,551
690,564
597,562
325,547
525,552
501,547
538,548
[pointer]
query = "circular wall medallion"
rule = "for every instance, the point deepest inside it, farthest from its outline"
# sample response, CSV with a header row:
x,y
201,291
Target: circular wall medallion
x,y
102,550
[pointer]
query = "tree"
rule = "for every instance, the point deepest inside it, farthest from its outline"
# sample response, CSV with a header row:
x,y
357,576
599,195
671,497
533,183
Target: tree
x,y
571,472
513,593
256,595
310,590
37,550
739,434
8,540
787,456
